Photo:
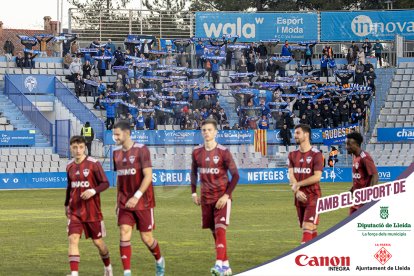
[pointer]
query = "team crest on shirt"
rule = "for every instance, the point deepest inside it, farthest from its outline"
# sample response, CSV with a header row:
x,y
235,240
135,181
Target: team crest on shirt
x,y
216,159
308,159
132,159
86,172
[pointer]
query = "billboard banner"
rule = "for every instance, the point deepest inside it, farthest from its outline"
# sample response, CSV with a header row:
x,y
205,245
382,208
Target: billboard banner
x,y
252,27
358,25
405,134
17,138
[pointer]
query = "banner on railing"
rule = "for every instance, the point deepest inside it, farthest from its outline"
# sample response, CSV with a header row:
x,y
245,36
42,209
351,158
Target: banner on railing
x,y
396,134
17,138
30,84
193,137
358,25
182,177
258,26
336,136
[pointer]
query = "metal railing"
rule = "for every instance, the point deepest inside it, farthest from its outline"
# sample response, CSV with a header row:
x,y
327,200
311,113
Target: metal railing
x,y
117,24
29,109
83,113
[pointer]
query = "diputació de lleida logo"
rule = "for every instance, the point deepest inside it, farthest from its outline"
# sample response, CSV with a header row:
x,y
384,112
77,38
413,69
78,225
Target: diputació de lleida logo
x,y
384,212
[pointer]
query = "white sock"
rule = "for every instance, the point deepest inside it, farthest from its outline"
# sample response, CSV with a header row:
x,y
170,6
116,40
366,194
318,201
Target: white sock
x,y
109,267
219,263
226,263
74,273
127,271
160,260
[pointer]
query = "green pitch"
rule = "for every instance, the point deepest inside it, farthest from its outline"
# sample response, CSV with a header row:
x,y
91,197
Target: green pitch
x,y
33,239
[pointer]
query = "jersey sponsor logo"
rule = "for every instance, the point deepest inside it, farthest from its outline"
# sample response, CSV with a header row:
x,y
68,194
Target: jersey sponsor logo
x,y
127,172
356,176
304,260
302,170
308,159
132,159
216,159
86,172
80,184
209,170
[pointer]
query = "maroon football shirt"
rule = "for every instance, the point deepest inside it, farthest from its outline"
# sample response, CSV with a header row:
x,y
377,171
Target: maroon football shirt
x,y
304,165
213,167
129,166
89,174
363,168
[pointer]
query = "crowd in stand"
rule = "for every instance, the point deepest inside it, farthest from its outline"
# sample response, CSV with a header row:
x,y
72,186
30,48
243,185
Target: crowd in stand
x,y
157,87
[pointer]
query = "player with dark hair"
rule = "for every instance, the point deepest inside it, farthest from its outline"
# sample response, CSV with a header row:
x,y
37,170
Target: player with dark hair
x,y
305,171
213,161
135,200
364,171
86,180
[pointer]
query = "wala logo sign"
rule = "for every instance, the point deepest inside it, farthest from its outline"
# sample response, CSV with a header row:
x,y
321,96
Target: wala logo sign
x,y
333,263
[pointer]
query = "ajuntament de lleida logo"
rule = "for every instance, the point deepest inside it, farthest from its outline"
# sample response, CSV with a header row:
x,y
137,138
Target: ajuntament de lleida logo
x,y
384,212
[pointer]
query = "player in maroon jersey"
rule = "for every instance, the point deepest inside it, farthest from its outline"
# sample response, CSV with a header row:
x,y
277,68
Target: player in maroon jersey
x,y
364,171
305,171
212,161
136,201
86,180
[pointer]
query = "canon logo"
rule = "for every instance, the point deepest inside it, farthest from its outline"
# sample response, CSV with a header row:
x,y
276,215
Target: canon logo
x,y
304,260
302,170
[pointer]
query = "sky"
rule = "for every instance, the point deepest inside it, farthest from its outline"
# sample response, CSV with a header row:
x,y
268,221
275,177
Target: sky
x,y
28,14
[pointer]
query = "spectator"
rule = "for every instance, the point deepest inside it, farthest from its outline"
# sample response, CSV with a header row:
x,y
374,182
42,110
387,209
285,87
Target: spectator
x,y
146,47
86,69
199,54
371,76
327,117
102,65
29,61
75,68
119,57
67,61
242,65
226,126
309,53
378,48
331,66
333,157
354,50
264,122
366,46
110,114
8,49
285,135
101,87
236,127
262,50
67,45
98,103
359,77
140,122
57,45
78,86
344,114
111,46
367,66
349,57
215,67
324,66
280,120
222,117
74,48
328,51
305,120
20,60
318,120
361,56
336,116
286,51
43,44
150,122
297,56
229,56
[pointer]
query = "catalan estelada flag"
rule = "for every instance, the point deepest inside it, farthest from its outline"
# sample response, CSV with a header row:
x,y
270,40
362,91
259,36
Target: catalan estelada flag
x,y
260,141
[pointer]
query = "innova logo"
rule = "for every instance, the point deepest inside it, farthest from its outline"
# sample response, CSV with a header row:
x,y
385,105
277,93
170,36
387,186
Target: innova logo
x,y
30,83
362,25
245,30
